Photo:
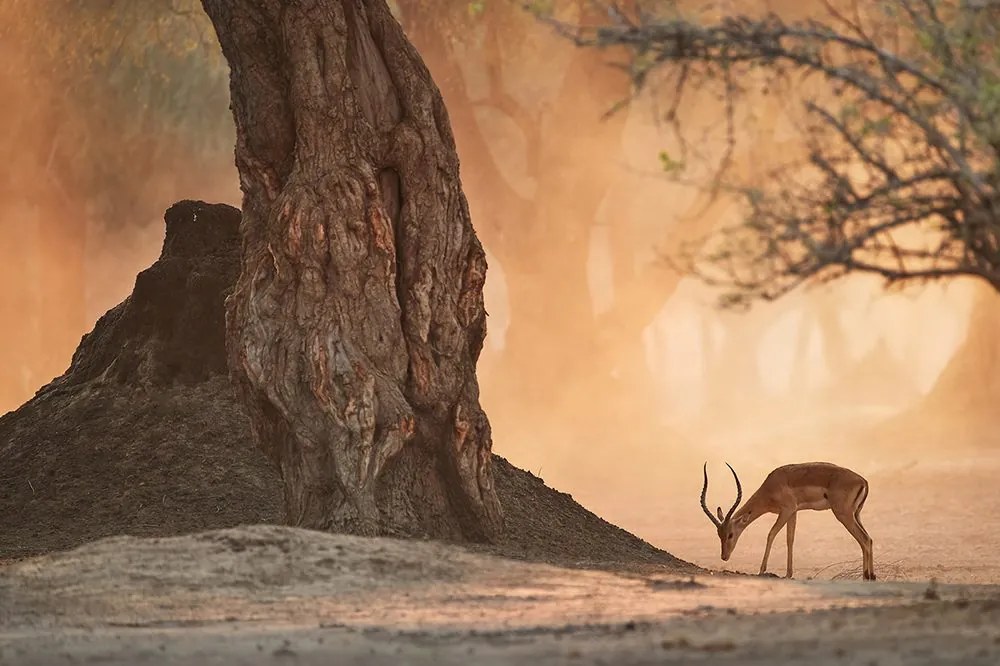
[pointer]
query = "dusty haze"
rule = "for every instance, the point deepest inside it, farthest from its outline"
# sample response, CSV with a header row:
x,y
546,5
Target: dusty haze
x,y
603,372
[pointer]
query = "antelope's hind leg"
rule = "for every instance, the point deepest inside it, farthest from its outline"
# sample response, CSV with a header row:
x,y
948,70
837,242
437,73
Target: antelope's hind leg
x,y
869,564
854,527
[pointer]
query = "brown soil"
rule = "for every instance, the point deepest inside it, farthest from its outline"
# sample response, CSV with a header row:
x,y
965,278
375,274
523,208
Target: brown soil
x,y
143,436
267,594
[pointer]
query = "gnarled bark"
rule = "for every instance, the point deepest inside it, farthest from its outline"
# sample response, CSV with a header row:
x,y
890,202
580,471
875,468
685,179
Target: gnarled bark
x,y
358,317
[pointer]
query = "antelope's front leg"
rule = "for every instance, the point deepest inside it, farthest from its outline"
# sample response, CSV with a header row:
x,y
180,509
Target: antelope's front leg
x,y
790,534
778,524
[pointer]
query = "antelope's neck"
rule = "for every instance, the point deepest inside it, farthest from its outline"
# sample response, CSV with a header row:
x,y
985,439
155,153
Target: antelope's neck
x,y
753,509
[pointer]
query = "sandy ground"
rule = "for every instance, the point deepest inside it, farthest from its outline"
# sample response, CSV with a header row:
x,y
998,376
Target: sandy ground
x,y
274,594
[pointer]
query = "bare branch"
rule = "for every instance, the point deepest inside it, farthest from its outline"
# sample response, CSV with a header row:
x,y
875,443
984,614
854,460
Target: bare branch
x,y
902,173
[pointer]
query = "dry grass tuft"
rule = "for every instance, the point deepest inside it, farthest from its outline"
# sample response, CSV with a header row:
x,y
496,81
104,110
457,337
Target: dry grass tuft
x,y
852,570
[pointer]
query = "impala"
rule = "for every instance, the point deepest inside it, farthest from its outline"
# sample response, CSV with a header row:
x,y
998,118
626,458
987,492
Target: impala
x,y
787,490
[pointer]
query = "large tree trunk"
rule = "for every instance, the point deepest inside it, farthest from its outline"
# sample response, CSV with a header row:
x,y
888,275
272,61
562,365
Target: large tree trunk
x,y
358,317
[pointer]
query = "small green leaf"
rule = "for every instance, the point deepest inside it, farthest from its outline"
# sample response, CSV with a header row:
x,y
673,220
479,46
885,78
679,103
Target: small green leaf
x,y
669,164
477,7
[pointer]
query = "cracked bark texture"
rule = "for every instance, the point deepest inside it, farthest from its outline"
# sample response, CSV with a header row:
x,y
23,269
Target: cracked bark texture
x,y
358,318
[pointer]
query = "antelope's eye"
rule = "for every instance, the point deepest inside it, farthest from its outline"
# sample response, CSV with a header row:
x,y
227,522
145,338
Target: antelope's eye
x,y
730,537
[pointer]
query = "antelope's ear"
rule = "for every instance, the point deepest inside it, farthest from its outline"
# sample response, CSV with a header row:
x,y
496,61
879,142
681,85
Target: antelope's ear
x,y
718,510
744,519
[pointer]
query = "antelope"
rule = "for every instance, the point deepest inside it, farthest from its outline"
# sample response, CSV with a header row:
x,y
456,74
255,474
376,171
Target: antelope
x,y
787,490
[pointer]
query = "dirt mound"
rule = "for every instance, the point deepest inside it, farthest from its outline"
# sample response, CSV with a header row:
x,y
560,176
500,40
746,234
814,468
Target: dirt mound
x,y
143,435
171,330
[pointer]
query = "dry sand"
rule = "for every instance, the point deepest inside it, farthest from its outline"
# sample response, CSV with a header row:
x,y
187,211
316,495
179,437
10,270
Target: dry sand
x,y
268,594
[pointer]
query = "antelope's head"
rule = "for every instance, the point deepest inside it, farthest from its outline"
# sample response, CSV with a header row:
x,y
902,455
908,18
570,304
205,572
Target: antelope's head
x,y
729,529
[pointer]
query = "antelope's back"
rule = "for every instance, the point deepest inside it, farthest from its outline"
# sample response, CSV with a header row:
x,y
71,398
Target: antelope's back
x,y
822,474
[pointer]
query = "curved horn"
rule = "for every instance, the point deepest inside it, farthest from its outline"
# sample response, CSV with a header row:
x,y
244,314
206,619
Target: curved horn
x,y
739,492
704,493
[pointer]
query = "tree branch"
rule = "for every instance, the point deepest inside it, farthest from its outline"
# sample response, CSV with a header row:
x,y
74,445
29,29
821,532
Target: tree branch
x,y
902,173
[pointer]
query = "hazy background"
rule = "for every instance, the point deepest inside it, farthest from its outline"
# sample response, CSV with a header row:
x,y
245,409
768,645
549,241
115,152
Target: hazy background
x,y
604,372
